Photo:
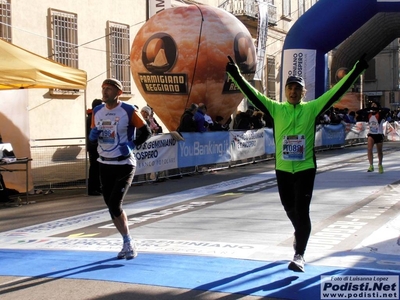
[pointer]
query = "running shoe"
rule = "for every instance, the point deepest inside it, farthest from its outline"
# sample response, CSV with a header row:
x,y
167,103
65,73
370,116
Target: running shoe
x,y
128,251
380,169
297,264
371,168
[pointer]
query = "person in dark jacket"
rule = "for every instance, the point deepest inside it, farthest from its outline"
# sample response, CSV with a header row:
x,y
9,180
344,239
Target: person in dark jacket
x,y
218,126
199,118
187,123
94,186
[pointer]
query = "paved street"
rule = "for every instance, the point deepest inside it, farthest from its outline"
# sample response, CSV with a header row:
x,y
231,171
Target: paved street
x,y
216,235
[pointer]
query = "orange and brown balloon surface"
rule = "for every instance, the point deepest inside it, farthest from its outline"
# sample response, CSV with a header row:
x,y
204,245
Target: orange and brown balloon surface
x,y
179,56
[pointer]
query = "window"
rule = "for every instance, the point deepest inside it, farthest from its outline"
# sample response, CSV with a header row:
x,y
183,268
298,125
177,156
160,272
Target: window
x,y
287,8
302,7
5,19
119,54
271,75
370,73
64,38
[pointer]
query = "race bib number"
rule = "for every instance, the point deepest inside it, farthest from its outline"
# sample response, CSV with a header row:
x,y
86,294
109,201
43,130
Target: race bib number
x,y
293,147
108,135
373,125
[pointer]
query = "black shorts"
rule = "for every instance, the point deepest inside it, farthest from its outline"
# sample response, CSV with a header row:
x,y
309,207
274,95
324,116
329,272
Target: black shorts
x,y
378,138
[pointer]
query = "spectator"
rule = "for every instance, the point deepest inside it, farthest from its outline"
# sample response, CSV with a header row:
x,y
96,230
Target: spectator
x,y
269,122
352,117
334,116
201,124
345,115
148,116
187,123
258,119
236,120
324,118
245,120
228,122
145,112
218,126
209,122
154,126
94,186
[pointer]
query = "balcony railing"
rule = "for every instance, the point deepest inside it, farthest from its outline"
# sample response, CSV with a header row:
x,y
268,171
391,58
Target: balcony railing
x,y
249,8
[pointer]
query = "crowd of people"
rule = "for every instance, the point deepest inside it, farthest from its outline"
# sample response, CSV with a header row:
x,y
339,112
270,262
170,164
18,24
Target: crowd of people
x,y
337,116
196,119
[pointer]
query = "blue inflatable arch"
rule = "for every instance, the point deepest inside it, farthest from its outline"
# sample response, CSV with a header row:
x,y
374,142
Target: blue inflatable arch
x,y
368,25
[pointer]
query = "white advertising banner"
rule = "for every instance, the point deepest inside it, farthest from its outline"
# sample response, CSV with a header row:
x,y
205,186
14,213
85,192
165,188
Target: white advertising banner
x,y
247,144
155,6
392,131
300,62
318,136
356,131
159,153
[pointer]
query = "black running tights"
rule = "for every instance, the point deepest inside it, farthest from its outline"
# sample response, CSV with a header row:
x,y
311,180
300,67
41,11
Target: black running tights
x,y
295,191
115,181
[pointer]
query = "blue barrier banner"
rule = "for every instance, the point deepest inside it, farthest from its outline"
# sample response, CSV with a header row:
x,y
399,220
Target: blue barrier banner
x,y
203,148
164,152
333,135
247,144
269,141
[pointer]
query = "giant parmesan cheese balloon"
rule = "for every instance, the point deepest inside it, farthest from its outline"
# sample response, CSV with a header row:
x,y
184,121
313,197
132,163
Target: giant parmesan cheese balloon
x,y
179,56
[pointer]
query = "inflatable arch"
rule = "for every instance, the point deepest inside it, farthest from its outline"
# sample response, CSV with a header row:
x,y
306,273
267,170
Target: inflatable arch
x,y
368,25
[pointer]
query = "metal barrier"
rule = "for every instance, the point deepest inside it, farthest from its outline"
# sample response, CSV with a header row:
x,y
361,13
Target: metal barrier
x,y
58,163
63,164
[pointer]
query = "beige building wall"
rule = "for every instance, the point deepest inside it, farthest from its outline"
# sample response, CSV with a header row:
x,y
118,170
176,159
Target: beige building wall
x,y
59,120
383,82
58,117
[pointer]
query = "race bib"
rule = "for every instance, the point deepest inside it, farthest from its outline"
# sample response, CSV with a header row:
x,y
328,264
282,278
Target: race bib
x,y
293,147
109,129
373,125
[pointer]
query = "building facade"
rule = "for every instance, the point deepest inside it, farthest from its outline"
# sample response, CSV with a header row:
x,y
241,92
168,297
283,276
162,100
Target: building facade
x,y
382,79
97,38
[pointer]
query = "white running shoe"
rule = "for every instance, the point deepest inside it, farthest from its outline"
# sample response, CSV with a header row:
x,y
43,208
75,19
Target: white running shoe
x,y
297,264
128,251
